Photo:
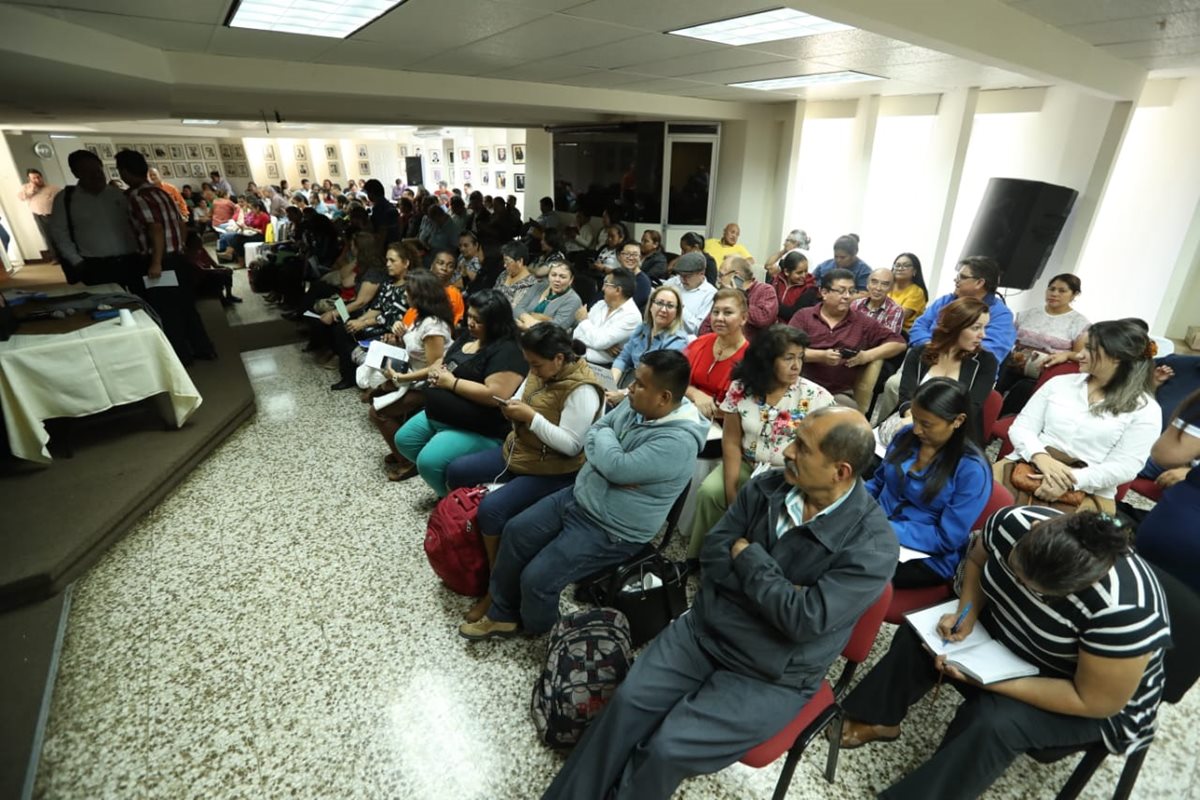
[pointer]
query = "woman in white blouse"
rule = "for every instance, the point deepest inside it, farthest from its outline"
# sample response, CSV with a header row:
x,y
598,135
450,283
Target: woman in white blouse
x,y
1090,432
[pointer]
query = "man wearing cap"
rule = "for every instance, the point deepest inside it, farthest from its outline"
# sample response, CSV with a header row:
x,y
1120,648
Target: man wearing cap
x,y
697,293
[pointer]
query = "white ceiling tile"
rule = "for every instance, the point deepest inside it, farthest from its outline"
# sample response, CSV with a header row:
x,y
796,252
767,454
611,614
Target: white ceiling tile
x,y
663,86
470,63
1183,46
548,70
542,5
165,34
1171,26
1062,13
638,49
605,79
352,53
449,23
268,44
665,15
778,69
552,35
208,11
723,58
883,58
828,44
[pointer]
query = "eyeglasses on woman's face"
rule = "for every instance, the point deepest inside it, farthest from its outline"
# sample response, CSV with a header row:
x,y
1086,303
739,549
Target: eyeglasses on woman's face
x,y
665,305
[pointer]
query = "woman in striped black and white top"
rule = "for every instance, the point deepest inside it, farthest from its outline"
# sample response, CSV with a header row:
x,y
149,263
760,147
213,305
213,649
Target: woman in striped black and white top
x,y
1064,592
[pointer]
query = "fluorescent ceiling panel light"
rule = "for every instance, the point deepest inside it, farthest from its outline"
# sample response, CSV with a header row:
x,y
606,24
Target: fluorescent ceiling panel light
x,y
766,26
334,19
796,81
201,122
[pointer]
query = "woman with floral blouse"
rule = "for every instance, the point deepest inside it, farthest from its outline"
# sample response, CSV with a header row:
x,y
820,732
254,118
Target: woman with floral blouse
x,y
766,399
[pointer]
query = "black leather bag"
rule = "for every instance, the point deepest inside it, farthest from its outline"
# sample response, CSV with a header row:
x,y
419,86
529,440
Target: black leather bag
x,y
649,591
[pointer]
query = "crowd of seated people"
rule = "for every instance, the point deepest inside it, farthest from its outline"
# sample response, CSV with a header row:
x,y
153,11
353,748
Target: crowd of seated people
x,y
585,380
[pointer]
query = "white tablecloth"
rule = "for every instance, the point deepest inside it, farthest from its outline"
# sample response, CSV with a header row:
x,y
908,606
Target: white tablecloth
x,y
106,364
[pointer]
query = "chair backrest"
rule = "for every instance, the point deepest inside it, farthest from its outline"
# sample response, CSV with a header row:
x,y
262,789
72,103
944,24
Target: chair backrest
x,y
1068,368
991,413
1181,662
867,628
1000,498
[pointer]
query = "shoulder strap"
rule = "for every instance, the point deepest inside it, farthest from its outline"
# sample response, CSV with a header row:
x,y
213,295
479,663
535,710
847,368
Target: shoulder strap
x,y
67,193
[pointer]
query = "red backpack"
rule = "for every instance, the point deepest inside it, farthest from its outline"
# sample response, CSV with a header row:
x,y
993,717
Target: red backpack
x,y
453,543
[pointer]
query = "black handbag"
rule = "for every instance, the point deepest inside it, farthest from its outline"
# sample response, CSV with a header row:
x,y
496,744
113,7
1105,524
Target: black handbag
x,y
649,591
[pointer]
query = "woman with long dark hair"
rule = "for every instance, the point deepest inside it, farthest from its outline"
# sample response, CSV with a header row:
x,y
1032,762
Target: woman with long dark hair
x,y
384,309
550,415
766,399
908,287
794,285
1081,436
934,483
462,414
954,351
1064,592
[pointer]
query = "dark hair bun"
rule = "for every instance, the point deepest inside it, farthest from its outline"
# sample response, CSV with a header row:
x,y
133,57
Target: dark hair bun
x,y
1103,536
579,347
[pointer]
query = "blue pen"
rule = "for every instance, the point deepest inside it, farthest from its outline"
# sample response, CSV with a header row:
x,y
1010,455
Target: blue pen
x,y
954,628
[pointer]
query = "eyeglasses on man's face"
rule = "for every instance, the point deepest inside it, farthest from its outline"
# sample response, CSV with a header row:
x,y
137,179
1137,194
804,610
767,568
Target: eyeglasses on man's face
x,y
839,290
965,276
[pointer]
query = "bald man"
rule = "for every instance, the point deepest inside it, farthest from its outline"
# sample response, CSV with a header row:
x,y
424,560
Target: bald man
x,y
877,305
176,195
796,560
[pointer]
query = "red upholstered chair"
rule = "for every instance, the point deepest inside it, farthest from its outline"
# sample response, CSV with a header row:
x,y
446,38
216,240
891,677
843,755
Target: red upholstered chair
x,y
906,600
1000,429
1143,486
991,413
822,709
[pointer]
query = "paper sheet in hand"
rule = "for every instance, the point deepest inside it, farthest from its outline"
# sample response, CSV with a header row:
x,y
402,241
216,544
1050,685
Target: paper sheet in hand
x,y
979,656
340,305
311,314
715,432
604,375
378,351
908,554
166,280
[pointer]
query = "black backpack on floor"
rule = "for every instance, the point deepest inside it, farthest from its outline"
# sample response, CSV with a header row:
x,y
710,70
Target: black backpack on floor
x,y
590,653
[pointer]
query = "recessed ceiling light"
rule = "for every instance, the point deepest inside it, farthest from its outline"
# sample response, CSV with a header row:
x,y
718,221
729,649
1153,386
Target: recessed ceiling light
x,y
335,19
766,26
795,81
201,122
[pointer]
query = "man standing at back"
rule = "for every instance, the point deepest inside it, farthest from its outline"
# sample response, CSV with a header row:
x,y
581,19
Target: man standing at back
x,y
787,572
168,283
40,199
640,458
90,227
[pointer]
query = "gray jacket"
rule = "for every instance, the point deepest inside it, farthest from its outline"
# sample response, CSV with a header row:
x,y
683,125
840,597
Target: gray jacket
x,y
784,609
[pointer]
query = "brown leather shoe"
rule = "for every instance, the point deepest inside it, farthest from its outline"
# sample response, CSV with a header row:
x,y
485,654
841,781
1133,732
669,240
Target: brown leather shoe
x,y
856,734
401,472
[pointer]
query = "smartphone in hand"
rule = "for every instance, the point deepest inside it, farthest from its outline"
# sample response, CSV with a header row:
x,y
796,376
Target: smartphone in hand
x,y
501,400
847,353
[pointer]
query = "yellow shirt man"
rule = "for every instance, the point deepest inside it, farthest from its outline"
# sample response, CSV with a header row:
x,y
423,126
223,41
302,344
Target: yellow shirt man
x,y
727,245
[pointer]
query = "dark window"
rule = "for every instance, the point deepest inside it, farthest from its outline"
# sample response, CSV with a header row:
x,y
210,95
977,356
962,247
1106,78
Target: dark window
x,y
615,167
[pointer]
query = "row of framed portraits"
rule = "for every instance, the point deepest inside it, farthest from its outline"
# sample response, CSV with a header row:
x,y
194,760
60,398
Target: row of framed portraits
x,y
200,170
187,151
466,156
495,179
300,153
333,169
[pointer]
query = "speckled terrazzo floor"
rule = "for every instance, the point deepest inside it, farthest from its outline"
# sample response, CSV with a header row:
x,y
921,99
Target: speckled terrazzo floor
x,y
272,630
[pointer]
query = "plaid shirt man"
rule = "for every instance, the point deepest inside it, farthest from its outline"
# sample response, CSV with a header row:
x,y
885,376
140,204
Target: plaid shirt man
x,y
149,205
889,315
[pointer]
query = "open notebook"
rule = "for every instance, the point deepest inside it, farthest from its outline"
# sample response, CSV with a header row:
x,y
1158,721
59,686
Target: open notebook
x,y
979,656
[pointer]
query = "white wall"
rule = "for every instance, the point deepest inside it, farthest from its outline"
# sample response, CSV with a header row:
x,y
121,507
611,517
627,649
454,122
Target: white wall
x,y
824,201
898,210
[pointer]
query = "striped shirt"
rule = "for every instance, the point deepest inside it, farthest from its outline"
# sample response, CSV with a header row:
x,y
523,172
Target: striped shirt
x,y
1122,615
149,205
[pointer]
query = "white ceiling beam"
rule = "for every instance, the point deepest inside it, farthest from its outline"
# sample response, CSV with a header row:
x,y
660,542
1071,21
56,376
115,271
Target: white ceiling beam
x,y
992,33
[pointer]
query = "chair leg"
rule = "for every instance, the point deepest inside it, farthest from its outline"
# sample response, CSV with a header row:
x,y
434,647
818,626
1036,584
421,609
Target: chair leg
x,y
1129,775
1084,770
835,748
789,769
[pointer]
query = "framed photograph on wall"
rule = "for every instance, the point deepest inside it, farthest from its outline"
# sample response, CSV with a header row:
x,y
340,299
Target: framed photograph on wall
x,y
331,151
239,151
226,151
160,151
484,156
210,152
176,151
106,152
302,169
486,178
502,154
181,169
93,148
301,153
193,151
518,153
437,176
464,156
165,170
362,151
518,180
501,180
272,171
364,168
123,146
335,169
114,174
211,167
197,170
435,156
466,176
144,149
269,153
402,149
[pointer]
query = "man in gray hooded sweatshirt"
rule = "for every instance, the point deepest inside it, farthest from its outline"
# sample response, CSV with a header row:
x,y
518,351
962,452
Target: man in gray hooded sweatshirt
x,y
789,569
640,458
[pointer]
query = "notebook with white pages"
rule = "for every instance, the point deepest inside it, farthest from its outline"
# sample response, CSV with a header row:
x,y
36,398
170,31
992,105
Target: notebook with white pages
x,y
979,656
